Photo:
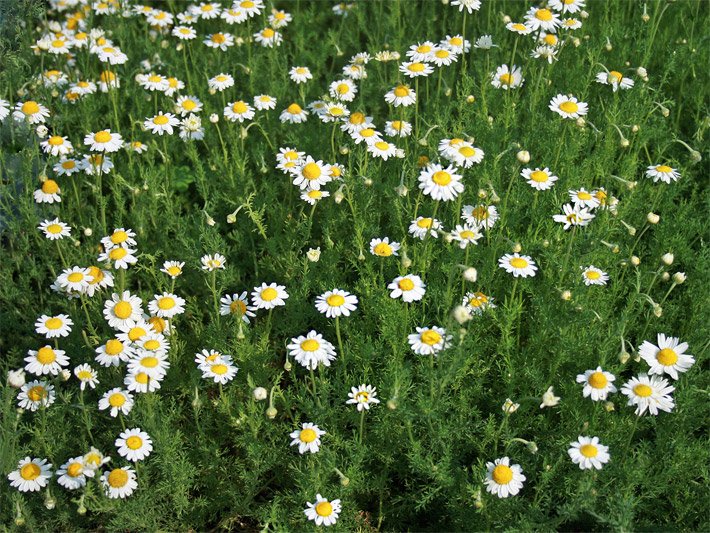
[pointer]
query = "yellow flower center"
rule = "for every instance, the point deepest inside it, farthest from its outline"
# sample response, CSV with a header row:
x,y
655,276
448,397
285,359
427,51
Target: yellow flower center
x,y
36,393
425,223
75,277
363,396
543,14
102,137
268,33
50,187
311,171
218,38
316,195
569,107
116,400
467,234
441,178
550,39
56,140
151,344
174,270
189,105
117,253
310,345
68,164
85,375
520,27
467,151
134,442
416,67
117,478
405,284
75,469
518,262
480,213
618,76
246,4
308,435
219,369
336,111
441,53
158,324
667,357
502,474
123,309
166,302
160,120
238,307
367,132
357,118
294,109
539,176
506,79
30,472
30,107
46,355
456,41
150,361
401,91
593,274
343,88
664,168
269,294
335,300
239,107
430,337
383,249
598,380
136,333
588,450
381,145
142,378
107,76
324,509
54,323
584,195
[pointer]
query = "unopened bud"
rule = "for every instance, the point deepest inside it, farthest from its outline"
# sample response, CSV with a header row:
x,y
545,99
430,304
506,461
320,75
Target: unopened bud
x,y
657,311
260,393
624,143
65,375
635,128
271,413
635,260
679,278
214,118
392,404
581,122
88,232
566,295
288,366
406,261
532,447
313,254
668,259
665,276
338,196
517,248
470,99
470,274
653,218
16,378
482,193
609,406
624,357
523,156
367,182
461,314
49,502
401,190
344,150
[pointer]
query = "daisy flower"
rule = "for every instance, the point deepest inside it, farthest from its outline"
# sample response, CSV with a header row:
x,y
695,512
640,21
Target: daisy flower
x,y
615,79
668,357
238,111
166,305
152,363
592,275
567,6
421,51
31,112
221,371
398,128
120,257
300,74
72,474
307,438
383,247
264,102
237,305
311,174
519,28
503,479
542,19
443,57
548,53
132,331
469,5
311,349
207,11
573,216
117,400
571,23
568,106
94,459
184,33
441,183
598,384
75,279
207,357
104,141
382,149
46,360
363,396
312,196
48,193
113,352
415,69
173,268
54,326
583,198
4,109
156,343
250,7
36,394
518,265
87,376
185,105
466,235
422,226
134,444
220,82
410,288
649,394
122,308
268,38
401,95
663,173
219,40
336,303
95,164
465,155
141,383
506,78
367,135
268,296
67,167
31,474
539,179
323,512
54,229
481,215
119,482
477,302
213,262
456,44
279,19
344,90
57,145
588,452
293,114
161,123
429,341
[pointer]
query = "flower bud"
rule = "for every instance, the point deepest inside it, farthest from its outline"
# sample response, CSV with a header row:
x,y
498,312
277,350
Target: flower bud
x,y
482,193
523,156
16,378
260,393
653,218
657,311
65,375
470,99
679,278
448,92
532,447
210,221
42,130
581,122
609,406
507,19
461,314
635,260
549,399
338,196
214,118
392,404
470,274
49,502
406,261
545,243
344,150
288,366
313,254
667,259
665,276
401,190
566,295
88,232
665,111
695,157
635,128
517,247
271,413
368,182
624,143
509,406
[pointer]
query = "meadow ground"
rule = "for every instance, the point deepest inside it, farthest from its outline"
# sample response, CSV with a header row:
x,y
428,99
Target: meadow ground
x,y
513,260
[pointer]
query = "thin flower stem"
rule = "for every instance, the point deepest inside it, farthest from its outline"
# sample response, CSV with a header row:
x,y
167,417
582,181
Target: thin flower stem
x,y
362,425
340,340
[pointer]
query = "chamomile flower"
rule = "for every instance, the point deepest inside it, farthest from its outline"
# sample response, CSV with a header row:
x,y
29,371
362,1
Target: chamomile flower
x,y
344,90
540,179
67,167
31,112
221,371
571,23
616,79
518,265
507,78
95,164
382,149
212,262
466,235
154,343
104,141
519,28
311,349
119,482
383,247
121,308
323,512
166,305
72,474
56,145
336,303
238,111
117,401
279,19
477,302
300,74
465,155
573,216
503,479
456,44
184,33
415,69
94,459
409,288
441,183
568,106
307,438
48,193
268,296
46,360
86,376
237,305
469,5
481,215
313,196
421,51
311,174
401,95
219,40
264,102
75,279
592,275
250,7
652,394
588,453
268,37
540,18
363,396
567,6
398,128
668,357
185,105
161,123
153,363
134,444
54,326
333,111
422,226
141,383
36,394
662,173
584,198
443,57
429,341
549,53
120,257
598,384
173,268
220,82
366,135
293,114
205,358
206,11
98,279
31,474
